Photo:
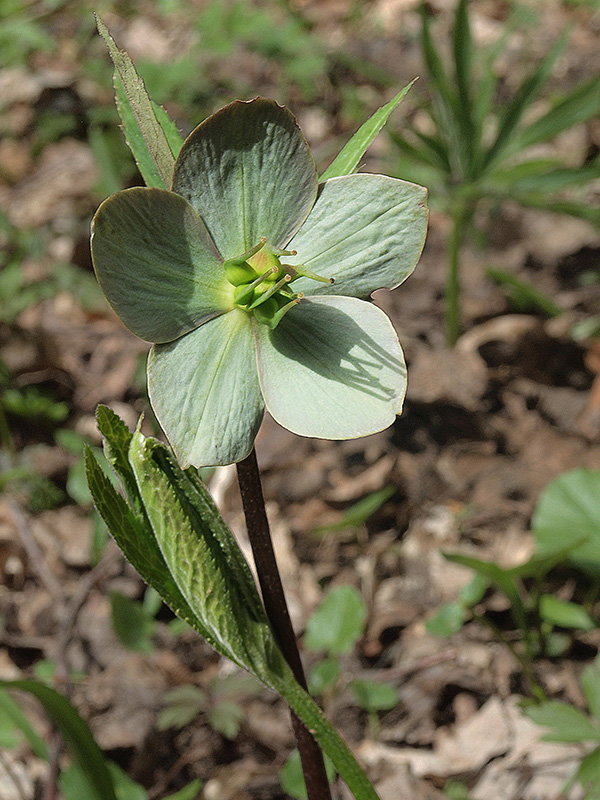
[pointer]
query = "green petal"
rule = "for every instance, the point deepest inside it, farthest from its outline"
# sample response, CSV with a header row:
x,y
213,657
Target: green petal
x,y
248,172
333,368
156,264
365,231
205,393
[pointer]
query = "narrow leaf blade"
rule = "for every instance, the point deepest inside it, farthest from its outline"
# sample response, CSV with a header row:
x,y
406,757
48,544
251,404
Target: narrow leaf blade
x,y
347,159
515,109
76,734
579,105
144,133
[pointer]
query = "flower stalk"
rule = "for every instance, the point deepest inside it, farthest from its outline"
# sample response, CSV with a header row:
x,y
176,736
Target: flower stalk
x,y
257,524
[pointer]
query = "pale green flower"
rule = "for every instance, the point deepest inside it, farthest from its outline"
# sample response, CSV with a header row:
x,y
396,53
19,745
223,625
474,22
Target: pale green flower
x,y
253,281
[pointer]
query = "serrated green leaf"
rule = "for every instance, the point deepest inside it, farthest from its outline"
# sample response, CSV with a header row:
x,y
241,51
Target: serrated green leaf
x,y
133,535
143,131
568,723
347,160
190,531
338,623
565,614
76,734
183,517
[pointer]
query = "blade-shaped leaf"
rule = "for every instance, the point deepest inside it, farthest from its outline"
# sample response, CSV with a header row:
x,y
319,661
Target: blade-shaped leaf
x,y
565,614
347,159
580,210
201,573
11,710
144,133
434,64
76,734
133,535
590,686
589,774
527,92
190,532
579,105
463,55
503,579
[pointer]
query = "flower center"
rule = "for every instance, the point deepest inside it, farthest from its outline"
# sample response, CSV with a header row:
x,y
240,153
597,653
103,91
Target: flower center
x,y
262,282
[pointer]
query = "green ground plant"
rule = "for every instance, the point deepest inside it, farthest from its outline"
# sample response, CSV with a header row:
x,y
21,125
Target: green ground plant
x,y
476,151
569,724
254,155
566,526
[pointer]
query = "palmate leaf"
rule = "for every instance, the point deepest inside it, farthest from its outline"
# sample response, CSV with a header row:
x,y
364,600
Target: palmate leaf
x,y
516,107
579,105
76,734
150,134
173,534
347,159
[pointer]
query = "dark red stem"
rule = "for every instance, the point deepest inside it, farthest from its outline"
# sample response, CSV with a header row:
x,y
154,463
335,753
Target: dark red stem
x,y
313,766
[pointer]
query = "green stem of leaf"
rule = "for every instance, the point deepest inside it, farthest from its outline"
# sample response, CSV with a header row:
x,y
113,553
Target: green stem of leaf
x,y
311,757
452,299
329,739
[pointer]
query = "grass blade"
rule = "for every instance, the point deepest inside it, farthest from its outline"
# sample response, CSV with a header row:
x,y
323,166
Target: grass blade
x,y
571,208
463,57
576,107
144,133
347,159
525,178
76,734
526,94
435,67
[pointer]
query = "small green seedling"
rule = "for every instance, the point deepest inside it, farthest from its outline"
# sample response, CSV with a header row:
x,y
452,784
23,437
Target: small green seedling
x,y
566,525
220,704
569,724
477,151
335,628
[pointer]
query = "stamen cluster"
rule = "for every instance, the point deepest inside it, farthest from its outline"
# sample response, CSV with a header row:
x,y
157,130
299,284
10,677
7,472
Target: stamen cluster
x,y
261,282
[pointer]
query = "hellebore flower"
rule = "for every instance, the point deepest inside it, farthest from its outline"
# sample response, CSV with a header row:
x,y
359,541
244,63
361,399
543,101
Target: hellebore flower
x,y
252,280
